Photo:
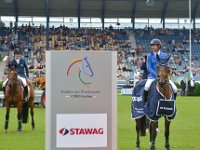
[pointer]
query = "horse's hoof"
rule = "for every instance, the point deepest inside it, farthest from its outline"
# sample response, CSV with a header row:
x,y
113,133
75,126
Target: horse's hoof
x,y
19,130
6,131
147,130
167,146
137,148
33,129
157,130
152,147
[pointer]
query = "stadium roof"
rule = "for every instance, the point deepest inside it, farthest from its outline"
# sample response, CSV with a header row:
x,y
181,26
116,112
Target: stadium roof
x,y
100,8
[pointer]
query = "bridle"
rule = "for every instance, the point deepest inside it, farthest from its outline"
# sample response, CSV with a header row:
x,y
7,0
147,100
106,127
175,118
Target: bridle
x,y
162,84
12,82
165,80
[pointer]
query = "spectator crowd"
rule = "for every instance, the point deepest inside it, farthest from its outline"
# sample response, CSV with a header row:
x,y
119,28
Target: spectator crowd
x,y
32,40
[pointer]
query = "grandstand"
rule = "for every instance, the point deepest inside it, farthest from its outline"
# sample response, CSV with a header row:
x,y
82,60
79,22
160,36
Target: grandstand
x,y
119,25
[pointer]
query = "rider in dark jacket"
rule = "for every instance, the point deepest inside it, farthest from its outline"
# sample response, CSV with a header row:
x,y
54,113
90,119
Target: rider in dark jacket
x,y
20,65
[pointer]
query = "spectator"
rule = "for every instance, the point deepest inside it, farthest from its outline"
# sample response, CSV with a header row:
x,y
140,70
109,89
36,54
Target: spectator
x,y
190,88
183,87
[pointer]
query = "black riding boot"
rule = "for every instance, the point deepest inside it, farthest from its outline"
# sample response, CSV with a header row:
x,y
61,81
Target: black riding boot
x,y
26,93
175,94
4,89
145,95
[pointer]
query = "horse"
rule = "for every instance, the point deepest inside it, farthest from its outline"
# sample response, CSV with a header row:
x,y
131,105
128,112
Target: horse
x,y
14,95
141,111
168,99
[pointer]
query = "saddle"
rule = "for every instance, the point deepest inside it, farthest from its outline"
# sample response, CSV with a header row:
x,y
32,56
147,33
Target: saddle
x,y
155,107
21,84
22,87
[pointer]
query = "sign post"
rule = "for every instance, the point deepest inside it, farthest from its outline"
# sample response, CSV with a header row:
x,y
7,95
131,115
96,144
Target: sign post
x,y
81,110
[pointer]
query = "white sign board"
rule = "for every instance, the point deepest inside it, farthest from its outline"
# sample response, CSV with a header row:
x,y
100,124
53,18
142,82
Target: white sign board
x,y
81,91
81,130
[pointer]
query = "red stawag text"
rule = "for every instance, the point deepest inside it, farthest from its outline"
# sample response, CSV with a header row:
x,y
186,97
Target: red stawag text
x,y
86,131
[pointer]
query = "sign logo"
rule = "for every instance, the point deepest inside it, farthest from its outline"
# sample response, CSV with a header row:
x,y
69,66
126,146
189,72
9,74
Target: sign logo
x,y
81,131
63,131
83,69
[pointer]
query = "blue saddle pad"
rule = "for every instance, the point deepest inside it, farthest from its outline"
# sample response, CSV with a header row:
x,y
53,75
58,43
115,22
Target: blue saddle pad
x,y
137,100
155,107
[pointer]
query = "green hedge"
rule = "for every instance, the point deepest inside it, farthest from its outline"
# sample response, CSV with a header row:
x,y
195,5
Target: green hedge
x,y
197,89
177,85
1,83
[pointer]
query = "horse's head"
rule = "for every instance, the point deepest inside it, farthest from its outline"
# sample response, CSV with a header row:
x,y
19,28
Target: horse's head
x,y
12,74
12,77
163,71
86,68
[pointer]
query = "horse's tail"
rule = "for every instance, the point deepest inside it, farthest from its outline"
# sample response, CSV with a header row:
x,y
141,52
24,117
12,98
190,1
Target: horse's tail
x,y
25,108
143,126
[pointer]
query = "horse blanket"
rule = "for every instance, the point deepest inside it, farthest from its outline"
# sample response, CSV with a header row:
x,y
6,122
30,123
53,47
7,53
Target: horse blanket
x,y
137,100
156,105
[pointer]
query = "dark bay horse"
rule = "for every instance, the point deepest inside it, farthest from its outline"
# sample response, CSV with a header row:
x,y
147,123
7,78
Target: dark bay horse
x,y
14,95
165,89
141,112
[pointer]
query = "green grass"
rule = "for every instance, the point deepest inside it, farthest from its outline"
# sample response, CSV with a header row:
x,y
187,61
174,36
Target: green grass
x,y
28,139
185,128
184,135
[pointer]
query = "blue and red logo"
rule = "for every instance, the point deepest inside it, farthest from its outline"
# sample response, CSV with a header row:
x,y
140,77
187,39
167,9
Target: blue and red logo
x,y
84,68
63,131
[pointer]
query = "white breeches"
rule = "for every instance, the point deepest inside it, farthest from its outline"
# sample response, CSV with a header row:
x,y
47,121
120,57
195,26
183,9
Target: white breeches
x,y
173,86
21,78
149,82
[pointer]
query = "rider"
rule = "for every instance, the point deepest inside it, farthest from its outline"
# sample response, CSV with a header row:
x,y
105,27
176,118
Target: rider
x,y
20,65
152,63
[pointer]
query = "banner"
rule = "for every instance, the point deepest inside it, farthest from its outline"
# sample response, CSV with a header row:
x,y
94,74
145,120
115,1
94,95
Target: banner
x,y
81,110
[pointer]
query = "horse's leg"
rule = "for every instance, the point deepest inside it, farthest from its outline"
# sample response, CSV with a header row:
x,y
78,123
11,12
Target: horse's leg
x,y
153,135
147,124
167,124
32,115
138,134
19,116
31,103
7,116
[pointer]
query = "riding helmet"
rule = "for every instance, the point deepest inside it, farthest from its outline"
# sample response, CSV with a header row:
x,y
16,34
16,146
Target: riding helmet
x,y
155,42
17,51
